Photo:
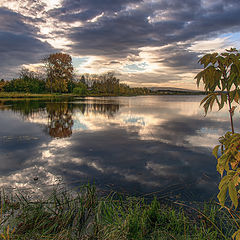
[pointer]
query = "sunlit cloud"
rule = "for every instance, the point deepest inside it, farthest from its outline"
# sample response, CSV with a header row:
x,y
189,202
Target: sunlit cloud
x,y
35,180
207,139
146,125
91,65
212,45
147,43
37,67
95,19
160,169
52,4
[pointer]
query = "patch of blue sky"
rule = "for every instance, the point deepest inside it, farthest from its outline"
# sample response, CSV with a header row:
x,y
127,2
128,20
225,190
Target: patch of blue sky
x,y
205,130
135,120
79,126
135,67
79,61
233,39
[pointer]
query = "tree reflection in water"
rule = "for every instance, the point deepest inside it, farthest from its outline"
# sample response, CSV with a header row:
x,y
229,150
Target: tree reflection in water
x,y
59,114
110,143
108,110
59,120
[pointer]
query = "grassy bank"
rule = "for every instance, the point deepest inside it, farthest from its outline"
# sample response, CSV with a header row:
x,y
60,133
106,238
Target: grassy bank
x,y
14,95
33,95
67,215
11,95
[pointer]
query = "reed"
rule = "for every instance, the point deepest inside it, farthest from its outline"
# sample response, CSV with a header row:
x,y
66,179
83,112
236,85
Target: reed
x,y
85,215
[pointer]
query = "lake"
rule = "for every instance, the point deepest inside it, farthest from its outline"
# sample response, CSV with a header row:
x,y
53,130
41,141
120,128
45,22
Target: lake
x,y
135,145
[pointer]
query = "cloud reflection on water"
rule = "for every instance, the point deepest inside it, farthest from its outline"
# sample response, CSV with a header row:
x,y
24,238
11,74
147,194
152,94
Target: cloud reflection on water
x,y
138,145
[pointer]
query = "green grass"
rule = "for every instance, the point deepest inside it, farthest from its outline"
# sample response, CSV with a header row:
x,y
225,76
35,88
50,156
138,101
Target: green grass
x,y
84,215
18,95
34,95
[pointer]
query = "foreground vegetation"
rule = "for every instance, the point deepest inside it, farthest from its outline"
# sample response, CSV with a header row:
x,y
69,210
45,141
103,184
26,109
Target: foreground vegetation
x,y
221,79
84,215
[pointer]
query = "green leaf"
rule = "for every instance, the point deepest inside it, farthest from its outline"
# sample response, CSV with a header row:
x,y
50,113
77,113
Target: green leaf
x,y
236,235
215,151
237,96
224,181
209,100
205,60
222,194
223,100
222,162
213,98
198,77
233,193
231,50
204,99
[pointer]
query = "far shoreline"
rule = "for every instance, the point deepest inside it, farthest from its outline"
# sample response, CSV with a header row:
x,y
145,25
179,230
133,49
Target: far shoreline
x,y
14,95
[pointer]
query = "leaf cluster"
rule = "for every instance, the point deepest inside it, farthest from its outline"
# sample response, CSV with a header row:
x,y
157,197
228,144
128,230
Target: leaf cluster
x,y
221,80
228,165
220,77
221,71
220,98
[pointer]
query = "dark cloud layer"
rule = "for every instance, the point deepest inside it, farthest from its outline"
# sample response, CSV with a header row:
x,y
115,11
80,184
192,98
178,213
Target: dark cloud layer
x,y
152,24
73,10
179,57
19,43
184,21
13,22
115,30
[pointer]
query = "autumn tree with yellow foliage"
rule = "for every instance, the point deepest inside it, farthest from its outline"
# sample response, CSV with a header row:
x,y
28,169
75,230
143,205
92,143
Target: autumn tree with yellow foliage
x,y
59,72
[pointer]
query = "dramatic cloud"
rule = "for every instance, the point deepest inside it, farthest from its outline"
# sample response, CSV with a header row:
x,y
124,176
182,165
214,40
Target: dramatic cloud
x,y
18,43
155,42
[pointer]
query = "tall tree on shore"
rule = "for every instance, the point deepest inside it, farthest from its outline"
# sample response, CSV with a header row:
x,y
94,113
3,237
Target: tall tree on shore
x,y
59,71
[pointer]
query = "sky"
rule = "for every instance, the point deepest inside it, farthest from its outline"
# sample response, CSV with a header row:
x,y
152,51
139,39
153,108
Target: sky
x,y
145,42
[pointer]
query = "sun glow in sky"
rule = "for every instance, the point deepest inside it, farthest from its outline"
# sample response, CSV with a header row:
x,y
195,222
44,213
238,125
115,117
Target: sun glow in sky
x,y
147,43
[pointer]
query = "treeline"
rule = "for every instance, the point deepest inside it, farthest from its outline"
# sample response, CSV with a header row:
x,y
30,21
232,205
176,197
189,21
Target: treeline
x,y
27,82
59,78
99,84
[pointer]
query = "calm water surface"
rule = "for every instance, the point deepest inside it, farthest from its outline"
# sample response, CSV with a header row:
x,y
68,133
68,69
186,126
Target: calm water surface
x,y
135,145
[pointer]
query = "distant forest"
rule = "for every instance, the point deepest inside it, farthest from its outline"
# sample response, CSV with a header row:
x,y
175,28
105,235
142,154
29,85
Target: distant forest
x,y
59,78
